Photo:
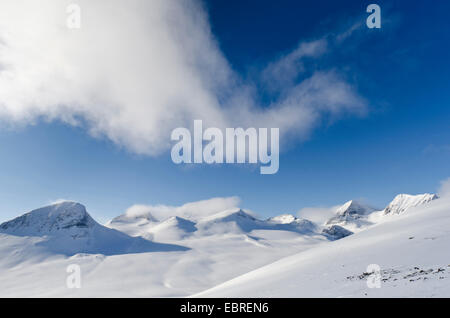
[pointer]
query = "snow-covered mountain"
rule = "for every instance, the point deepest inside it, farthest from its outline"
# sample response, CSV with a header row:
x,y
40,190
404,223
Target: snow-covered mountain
x,y
67,228
230,221
404,202
239,221
235,221
351,210
134,225
65,218
352,215
288,222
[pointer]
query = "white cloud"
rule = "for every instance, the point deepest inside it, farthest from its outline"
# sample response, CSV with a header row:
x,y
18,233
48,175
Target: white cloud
x,y
59,201
319,215
192,210
282,73
444,190
138,69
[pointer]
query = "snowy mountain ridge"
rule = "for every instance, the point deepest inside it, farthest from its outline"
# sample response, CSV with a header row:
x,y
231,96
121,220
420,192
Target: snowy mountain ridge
x,y
71,219
404,202
229,221
354,216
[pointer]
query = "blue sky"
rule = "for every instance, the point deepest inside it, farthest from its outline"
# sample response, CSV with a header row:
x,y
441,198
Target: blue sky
x,y
401,145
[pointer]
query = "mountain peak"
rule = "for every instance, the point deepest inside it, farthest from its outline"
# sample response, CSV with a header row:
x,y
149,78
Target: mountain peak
x,y
353,207
177,221
233,220
50,220
350,212
173,229
229,215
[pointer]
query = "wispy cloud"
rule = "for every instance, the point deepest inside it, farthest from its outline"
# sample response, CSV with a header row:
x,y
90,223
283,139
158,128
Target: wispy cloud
x,y
282,74
137,69
444,190
319,215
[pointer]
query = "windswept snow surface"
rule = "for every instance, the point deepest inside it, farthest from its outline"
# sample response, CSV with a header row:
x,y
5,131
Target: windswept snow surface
x,y
412,251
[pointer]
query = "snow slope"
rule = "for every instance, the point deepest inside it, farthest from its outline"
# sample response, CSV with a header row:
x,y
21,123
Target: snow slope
x,y
411,249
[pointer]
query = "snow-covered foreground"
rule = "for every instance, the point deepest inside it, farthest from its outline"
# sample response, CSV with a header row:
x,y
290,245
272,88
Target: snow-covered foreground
x,y
229,253
412,250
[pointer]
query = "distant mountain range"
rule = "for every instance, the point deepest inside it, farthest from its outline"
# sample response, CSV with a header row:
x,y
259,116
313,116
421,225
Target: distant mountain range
x,y
174,256
70,229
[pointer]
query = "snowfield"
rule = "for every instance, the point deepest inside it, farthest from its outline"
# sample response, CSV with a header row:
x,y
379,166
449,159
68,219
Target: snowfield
x,y
230,253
